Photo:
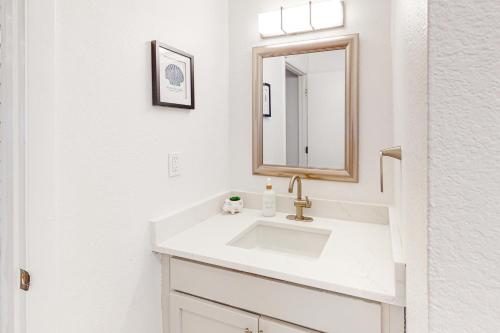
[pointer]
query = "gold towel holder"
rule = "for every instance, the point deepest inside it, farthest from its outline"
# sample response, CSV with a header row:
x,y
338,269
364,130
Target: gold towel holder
x,y
394,152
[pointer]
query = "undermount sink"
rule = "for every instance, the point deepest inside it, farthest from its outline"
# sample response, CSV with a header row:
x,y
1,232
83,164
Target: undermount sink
x,y
283,238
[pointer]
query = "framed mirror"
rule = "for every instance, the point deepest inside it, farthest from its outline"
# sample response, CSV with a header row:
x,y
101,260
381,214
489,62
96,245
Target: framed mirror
x,y
305,109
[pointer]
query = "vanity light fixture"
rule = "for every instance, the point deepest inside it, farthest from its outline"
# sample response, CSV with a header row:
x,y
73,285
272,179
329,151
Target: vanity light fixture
x,y
315,15
297,19
327,15
270,23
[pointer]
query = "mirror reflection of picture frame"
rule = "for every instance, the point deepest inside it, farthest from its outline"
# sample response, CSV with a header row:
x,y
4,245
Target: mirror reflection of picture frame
x,y
266,100
173,76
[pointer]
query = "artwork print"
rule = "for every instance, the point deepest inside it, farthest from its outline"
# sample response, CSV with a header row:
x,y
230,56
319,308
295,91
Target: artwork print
x,y
266,100
172,77
175,74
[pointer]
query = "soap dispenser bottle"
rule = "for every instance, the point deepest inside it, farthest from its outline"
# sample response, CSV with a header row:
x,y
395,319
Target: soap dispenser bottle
x,y
269,200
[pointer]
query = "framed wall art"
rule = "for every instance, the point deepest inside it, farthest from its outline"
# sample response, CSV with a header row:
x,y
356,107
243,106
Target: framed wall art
x,y
173,76
266,100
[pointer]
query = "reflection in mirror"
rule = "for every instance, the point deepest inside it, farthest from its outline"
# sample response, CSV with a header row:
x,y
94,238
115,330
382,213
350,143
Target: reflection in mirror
x,y
304,110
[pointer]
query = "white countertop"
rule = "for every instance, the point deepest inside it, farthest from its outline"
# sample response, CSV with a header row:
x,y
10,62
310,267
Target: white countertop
x,y
357,259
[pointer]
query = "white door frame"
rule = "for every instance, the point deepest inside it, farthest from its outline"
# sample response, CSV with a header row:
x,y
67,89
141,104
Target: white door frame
x,y
303,128
13,175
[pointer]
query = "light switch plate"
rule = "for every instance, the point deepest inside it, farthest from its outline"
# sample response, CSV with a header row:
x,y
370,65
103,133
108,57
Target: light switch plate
x,y
173,165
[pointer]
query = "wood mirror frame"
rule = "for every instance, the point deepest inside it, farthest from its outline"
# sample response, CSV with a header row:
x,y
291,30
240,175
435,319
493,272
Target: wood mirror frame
x,y
350,44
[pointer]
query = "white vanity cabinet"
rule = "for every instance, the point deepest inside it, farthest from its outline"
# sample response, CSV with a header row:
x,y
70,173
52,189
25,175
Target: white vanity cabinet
x,y
190,314
194,315
270,325
202,297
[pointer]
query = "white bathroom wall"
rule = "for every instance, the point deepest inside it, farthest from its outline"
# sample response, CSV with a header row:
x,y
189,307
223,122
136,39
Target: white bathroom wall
x,y
464,159
409,38
326,119
371,19
326,109
299,61
102,153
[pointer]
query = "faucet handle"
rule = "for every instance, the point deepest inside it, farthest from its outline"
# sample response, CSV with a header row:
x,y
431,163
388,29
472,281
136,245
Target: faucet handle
x,y
308,202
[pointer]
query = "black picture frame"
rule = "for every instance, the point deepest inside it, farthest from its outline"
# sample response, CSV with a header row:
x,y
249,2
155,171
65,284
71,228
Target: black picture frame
x,y
156,47
266,110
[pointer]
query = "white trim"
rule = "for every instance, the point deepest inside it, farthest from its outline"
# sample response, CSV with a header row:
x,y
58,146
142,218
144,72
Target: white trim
x,y
303,125
12,222
42,308
293,69
302,94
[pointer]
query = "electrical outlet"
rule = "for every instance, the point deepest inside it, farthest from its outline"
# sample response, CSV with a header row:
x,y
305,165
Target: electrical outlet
x,y
173,165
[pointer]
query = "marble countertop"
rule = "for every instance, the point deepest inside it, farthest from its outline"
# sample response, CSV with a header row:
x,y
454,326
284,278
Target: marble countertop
x,y
357,259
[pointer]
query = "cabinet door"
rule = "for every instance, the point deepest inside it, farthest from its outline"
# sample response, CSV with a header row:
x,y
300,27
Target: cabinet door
x,y
268,325
193,315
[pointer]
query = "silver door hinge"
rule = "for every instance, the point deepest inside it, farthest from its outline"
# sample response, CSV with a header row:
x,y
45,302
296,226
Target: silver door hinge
x,y
24,280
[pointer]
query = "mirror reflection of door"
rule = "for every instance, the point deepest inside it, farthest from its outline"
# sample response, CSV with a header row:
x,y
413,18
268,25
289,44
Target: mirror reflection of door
x,y
296,118
308,127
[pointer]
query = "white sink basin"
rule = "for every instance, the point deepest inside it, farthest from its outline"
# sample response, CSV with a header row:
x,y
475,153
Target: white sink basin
x,y
283,238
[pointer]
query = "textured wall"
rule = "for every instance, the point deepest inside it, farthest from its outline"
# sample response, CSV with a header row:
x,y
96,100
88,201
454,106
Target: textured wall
x,y
409,45
464,166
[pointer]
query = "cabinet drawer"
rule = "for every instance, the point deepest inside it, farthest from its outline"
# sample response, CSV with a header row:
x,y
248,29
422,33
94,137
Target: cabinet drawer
x,y
313,308
193,315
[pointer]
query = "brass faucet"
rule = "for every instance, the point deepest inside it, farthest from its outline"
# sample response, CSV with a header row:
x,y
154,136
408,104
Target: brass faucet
x,y
299,203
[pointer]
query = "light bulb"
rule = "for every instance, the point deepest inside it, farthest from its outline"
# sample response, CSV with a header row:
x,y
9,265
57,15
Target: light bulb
x,y
327,14
270,24
297,19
